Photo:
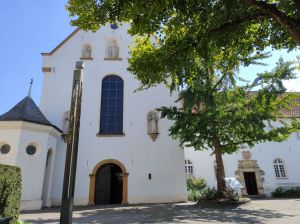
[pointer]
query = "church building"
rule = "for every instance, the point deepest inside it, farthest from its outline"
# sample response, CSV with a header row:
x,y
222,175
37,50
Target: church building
x,y
125,152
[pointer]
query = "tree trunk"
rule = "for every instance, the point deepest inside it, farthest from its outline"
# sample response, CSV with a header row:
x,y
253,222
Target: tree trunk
x,y
220,172
290,25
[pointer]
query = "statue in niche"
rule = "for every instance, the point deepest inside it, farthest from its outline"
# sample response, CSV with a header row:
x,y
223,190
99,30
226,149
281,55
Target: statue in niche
x,y
152,120
113,50
87,52
66,121
65,128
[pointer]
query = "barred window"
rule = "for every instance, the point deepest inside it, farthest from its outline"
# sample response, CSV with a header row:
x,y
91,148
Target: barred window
x,y
279,168
189,170
111,114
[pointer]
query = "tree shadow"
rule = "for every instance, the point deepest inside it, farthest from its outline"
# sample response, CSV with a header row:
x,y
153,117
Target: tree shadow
x,y
161,213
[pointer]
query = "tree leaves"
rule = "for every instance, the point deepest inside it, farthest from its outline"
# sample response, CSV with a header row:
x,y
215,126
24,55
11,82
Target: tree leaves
x,y
237,115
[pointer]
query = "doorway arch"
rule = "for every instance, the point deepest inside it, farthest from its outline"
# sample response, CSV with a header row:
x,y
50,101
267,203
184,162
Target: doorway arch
x,y
106,166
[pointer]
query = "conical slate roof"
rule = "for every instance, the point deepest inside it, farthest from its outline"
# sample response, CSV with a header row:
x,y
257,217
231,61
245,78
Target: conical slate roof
x,y
26,110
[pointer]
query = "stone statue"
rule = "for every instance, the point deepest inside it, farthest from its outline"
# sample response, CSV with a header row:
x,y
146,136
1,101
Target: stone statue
x,y
113,50
87,53
66,121
153,124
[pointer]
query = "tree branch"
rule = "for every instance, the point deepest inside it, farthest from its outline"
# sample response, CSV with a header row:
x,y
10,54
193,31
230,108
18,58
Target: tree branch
x,y
239,143
219,81
289,24
221,28
237,21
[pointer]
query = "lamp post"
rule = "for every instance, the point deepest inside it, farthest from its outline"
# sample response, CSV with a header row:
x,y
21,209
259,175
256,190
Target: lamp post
x,y
72,147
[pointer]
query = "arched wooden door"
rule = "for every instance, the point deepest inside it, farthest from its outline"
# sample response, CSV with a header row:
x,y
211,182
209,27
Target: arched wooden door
x,y
108,185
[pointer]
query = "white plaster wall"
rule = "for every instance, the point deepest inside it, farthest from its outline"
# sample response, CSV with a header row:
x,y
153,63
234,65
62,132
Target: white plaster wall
x,y
162,158
48,176
19,135
33,167
264,153
10,136
58,172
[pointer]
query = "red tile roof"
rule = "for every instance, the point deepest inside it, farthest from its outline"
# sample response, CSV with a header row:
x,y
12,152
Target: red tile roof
x,y
294,112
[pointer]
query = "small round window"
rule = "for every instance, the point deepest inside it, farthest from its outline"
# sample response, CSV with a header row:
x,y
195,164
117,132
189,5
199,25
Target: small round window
x,y
31,150
5,149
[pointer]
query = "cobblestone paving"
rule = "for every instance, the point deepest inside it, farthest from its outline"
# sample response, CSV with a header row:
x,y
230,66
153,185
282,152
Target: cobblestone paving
x,y
256,211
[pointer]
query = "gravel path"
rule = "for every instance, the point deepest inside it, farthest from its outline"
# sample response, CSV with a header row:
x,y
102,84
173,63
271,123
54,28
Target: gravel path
x,y
256,211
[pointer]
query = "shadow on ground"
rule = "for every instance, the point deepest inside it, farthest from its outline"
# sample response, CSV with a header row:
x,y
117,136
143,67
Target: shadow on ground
x,y
162,213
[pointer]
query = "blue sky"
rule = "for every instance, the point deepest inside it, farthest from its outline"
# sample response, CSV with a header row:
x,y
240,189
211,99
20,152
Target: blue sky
x,y
34,26
27,29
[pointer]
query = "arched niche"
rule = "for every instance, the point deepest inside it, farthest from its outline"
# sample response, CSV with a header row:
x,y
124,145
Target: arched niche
x,y
86,52
152,123
112,49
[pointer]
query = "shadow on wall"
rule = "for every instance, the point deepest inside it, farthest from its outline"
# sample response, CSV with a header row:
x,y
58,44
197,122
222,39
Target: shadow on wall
x,y
162,213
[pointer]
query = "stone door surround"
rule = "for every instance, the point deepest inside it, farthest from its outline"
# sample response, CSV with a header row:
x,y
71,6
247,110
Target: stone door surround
x,y
93,179
248,165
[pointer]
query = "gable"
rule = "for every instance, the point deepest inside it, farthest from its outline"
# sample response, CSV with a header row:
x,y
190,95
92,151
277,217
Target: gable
x,y
61,44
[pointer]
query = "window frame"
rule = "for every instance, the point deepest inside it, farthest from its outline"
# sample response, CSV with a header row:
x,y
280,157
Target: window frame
x,y
108,108
189,167
279,167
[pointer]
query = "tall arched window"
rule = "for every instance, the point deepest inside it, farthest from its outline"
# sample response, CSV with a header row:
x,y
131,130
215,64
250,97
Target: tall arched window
x,y
111,114
189,169
279,168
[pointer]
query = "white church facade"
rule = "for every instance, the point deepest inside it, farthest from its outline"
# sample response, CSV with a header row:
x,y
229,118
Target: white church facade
x,y
125,152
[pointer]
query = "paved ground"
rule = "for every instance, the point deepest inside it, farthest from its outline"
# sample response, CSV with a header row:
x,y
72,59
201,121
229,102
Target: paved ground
x,y
256,211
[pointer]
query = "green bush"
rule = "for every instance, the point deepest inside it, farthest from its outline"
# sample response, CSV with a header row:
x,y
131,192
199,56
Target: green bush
x,y
227,194
197,184
230,194
286,192
10,192
208,194
198,190
194,187
194,195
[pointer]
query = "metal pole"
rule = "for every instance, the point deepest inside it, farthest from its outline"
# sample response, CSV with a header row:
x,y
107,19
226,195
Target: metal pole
x,y
72,147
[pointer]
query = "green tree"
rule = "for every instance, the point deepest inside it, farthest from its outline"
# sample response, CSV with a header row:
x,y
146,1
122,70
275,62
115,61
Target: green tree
x,y
278,21
197,47
221,115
